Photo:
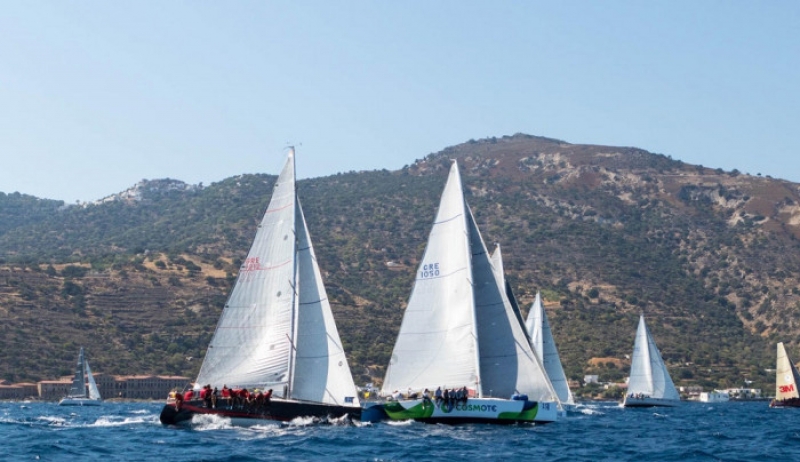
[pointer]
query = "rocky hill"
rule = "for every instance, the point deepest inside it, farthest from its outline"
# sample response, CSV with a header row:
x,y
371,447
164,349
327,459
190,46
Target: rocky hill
x,y
711,257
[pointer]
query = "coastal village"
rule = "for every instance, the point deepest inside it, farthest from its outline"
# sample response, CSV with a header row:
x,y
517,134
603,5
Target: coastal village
x,y
124,387
156,387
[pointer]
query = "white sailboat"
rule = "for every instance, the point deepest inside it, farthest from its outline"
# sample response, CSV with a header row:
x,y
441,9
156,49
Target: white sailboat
x,y
541,336
276,331
83,391
459,332
649,384
786,380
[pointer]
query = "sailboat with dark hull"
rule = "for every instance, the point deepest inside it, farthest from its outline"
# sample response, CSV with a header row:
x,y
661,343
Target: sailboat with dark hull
x,y
649,384
786,381
276,332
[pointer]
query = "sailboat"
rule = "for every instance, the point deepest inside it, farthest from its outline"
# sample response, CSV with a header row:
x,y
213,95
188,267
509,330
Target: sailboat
x,y
786,380
649,384
541,336
83,391
459,335
276,353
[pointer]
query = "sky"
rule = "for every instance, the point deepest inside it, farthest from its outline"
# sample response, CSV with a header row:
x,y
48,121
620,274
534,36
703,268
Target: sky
x,y
98,95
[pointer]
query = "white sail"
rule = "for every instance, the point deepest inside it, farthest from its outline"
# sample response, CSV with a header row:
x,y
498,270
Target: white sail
x,y
649,374
508,363
321,372
94,393
437,343
277,329
252,343
497,263
538,328
459,328
786,376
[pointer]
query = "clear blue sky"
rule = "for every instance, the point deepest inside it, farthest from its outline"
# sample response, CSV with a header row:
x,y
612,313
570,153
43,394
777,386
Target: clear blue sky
x,y
97,95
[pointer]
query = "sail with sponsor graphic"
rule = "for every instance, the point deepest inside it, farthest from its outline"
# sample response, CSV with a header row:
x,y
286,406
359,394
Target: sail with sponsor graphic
x,y
786,380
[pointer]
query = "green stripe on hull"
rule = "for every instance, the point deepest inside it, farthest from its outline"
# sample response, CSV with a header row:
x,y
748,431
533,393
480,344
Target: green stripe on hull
x,y
478,409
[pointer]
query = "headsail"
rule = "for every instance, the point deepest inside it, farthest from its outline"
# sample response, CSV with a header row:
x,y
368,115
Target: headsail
x,y
94,393
649,374
497,263
321,372
786,375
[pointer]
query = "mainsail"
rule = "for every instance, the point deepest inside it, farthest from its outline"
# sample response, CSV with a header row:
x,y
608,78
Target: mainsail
x,y
649,374
78,387
459,328
277,329
786,375
538,328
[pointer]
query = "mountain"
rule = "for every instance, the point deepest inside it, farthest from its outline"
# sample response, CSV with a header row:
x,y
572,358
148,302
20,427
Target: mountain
x,y
712,258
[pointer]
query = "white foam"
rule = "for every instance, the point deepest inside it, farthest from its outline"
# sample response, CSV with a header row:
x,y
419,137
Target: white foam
x,y
205,422
116,421
53,419
400,423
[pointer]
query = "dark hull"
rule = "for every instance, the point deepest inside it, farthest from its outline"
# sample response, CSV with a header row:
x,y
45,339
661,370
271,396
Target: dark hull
x,y
791,402
277,410
648,405
649,402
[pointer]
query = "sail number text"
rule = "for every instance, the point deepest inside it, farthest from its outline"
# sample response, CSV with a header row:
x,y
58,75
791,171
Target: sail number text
x,y
429,270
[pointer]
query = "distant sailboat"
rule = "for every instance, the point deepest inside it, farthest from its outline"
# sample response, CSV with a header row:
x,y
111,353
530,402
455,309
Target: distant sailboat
x,y
545,346
539,334
459,331
649,384
83,391
786,380
276,331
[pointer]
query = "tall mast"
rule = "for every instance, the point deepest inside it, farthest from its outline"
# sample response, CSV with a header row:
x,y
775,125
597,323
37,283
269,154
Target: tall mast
x,y
293,284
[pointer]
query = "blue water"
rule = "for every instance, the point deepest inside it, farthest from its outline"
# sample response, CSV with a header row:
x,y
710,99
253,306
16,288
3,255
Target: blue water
x,y
734,431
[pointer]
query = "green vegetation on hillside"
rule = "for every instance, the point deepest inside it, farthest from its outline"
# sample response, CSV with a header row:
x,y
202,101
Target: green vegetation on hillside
x,y
711,258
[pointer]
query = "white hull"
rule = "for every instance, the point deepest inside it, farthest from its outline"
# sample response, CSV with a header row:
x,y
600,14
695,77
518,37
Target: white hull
x,y
485,410
80,402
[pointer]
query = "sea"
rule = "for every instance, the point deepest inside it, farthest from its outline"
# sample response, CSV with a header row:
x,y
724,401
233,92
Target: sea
x,y
130,431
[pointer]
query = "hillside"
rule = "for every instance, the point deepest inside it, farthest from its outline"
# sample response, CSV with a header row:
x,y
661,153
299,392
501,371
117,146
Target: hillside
x,y
711,257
